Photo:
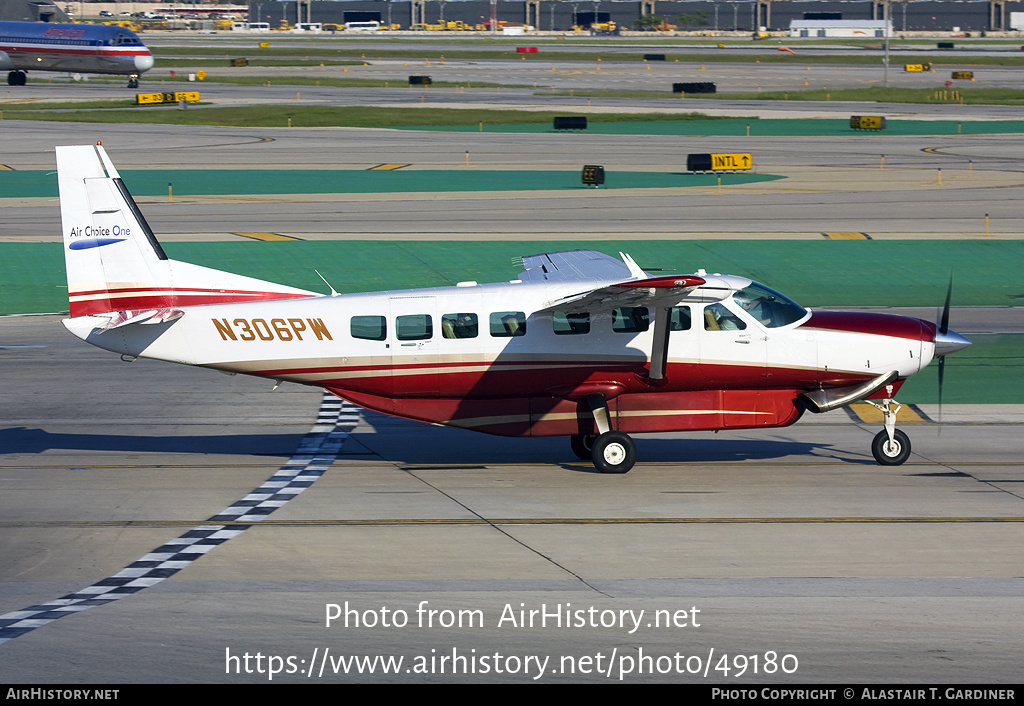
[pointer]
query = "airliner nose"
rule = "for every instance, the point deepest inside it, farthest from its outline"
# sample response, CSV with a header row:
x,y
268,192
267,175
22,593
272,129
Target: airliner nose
x,y
949,342
144,62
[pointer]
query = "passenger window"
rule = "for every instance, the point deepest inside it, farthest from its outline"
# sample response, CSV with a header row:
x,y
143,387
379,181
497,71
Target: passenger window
x,y
719,318
459,326
369,328
506,324
570,324
679,319
414,327
630,319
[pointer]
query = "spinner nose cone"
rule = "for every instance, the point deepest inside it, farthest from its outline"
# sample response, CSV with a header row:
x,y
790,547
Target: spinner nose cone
x,y
949,342
144,62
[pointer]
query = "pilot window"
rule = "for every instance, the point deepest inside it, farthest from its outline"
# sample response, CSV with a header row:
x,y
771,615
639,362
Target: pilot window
x,y
769,307
679,319
459,325
718,318
369,328
507,324
570,324
630,319
414,327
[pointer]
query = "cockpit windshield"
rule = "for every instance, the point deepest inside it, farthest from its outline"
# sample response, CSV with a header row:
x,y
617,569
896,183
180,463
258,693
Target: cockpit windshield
x,y
768,306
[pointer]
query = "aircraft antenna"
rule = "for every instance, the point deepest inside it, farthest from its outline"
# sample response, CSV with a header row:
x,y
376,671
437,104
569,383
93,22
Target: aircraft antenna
x,y
333,292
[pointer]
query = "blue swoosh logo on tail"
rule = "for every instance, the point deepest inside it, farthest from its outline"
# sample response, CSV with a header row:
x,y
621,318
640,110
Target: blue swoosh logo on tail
x,y
93,243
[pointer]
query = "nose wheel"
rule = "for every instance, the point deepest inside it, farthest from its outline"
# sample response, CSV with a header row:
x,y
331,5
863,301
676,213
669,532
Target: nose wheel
x,y
17,78
890,447
133,81
890,452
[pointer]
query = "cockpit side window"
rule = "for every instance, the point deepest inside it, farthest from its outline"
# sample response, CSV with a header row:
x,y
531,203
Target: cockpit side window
x,y
717,317
767,306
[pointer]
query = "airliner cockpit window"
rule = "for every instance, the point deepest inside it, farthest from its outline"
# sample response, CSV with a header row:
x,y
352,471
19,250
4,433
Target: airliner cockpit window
x,y
768,306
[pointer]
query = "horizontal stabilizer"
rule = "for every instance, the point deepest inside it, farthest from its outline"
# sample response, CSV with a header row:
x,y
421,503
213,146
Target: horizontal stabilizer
x,y
119,319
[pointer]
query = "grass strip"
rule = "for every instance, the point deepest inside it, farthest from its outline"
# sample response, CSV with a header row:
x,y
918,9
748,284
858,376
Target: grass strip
x,y
330,116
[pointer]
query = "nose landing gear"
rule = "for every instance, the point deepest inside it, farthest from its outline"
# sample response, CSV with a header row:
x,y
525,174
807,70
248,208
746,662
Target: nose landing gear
x,y
17,78
133,81
890,447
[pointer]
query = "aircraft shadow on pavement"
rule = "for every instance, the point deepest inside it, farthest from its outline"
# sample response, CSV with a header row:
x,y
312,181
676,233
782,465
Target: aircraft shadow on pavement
x,y
404,442
23,440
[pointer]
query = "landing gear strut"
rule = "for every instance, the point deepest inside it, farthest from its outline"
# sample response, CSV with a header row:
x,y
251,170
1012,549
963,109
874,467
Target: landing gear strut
x,y
17,78
133,81
611,451
890,447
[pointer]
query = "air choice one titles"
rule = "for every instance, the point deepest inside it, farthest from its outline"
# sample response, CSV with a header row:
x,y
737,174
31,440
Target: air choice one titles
x,y
558,615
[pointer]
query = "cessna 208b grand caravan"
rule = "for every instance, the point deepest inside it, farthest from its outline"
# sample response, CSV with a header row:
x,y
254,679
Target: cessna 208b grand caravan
x,y
581,344
86,49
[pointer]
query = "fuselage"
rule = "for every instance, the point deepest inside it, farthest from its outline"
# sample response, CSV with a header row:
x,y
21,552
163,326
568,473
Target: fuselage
x,y
75,48
501,358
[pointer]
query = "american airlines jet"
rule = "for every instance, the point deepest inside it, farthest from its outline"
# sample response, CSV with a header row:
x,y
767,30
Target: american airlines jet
x,y
71,48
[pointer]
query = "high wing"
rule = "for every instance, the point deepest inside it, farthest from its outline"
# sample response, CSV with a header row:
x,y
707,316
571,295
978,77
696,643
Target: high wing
x,y
620,283
603,280
583,266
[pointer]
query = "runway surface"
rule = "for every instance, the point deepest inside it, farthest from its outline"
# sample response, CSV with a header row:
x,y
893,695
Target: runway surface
x,y
790,545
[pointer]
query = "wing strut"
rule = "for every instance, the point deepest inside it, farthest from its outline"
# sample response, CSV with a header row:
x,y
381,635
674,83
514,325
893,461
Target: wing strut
x,y
659,346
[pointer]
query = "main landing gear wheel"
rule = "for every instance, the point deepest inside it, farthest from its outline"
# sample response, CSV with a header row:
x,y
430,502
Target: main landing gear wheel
x,y
583,446
614,452
891,453
16,78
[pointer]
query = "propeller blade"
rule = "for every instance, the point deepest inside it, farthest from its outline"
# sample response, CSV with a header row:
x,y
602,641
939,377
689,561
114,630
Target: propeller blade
x,y
944,321
942,374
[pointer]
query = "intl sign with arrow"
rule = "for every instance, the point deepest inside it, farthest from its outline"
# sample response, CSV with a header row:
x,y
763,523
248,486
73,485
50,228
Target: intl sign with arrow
x,y
731,162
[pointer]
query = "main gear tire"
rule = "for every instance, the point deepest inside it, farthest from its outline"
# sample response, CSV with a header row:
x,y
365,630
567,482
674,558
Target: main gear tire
x,y
614,452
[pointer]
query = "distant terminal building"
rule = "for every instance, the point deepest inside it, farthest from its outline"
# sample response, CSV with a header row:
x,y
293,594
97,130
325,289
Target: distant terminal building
x,y
687,15
840,28
22,11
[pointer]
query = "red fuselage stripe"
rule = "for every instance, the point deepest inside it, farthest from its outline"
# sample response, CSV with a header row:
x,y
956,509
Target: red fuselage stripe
x,y
174,298
83,51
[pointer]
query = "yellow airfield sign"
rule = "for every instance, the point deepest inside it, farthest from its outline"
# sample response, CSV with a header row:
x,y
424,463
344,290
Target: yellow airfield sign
x,y
731,161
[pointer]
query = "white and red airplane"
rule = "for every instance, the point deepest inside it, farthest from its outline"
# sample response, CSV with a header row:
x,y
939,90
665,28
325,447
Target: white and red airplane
x,y
581,344
83,48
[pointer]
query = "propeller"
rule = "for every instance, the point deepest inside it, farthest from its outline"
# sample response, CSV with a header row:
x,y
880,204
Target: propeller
x,y
943,325
946,341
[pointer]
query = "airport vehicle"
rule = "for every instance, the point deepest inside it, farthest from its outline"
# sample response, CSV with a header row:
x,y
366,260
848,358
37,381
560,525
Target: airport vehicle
x,y
580,344
71,48
371,26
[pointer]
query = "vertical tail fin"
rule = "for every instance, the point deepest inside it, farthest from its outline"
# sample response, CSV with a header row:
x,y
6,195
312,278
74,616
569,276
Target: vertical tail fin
x,y
114,261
